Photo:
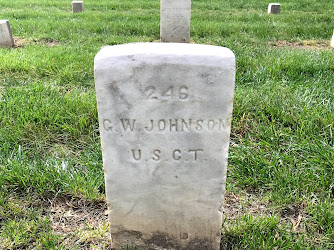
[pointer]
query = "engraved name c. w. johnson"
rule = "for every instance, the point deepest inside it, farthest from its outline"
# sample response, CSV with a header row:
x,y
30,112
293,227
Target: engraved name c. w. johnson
x,y
166,125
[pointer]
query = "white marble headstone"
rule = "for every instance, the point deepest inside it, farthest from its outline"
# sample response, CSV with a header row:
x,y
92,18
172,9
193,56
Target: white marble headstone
x,y
175,21
332,42
6,38
164,113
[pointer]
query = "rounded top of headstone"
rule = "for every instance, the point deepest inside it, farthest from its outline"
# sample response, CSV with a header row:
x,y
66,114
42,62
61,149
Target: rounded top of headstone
x,y
3,21
164,50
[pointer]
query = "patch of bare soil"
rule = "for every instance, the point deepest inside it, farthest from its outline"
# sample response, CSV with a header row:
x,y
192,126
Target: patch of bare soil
x,y
235,206
305,44
83,224
80,223
296,214
19,42
49,42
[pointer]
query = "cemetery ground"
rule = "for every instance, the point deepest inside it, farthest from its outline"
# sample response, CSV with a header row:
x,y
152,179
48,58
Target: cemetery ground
x,y
280,186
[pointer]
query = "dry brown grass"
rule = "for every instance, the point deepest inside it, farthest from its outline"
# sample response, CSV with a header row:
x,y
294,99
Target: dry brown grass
x,y
304,44
21,42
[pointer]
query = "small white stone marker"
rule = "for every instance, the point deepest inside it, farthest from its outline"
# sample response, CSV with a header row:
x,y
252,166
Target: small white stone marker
x,y
175,21
6,38
77,6
165,114
274,8
332,42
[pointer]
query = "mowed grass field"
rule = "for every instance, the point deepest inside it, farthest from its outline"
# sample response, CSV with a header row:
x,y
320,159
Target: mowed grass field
x,y
280,184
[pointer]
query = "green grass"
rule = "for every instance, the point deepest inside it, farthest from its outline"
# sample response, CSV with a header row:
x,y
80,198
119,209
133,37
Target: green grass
x,y
281,160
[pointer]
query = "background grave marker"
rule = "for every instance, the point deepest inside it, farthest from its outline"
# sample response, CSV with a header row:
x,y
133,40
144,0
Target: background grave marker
x,y
274,8
77,6
175,21
6,38
164,113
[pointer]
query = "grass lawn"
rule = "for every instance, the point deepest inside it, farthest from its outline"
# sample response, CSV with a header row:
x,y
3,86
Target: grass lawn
x,y
280,185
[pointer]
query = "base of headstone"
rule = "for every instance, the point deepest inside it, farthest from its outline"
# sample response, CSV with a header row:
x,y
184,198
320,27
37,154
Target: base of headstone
x,y
165,113
274,8
6,37
77,6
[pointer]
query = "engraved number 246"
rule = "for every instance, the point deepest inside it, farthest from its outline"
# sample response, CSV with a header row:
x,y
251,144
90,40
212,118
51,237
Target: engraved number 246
x,y
170,93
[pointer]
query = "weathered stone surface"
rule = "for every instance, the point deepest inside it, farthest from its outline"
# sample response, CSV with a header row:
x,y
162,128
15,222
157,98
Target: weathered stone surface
x,y
332,42
6,38
274,8
175,21
164,114
77,6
